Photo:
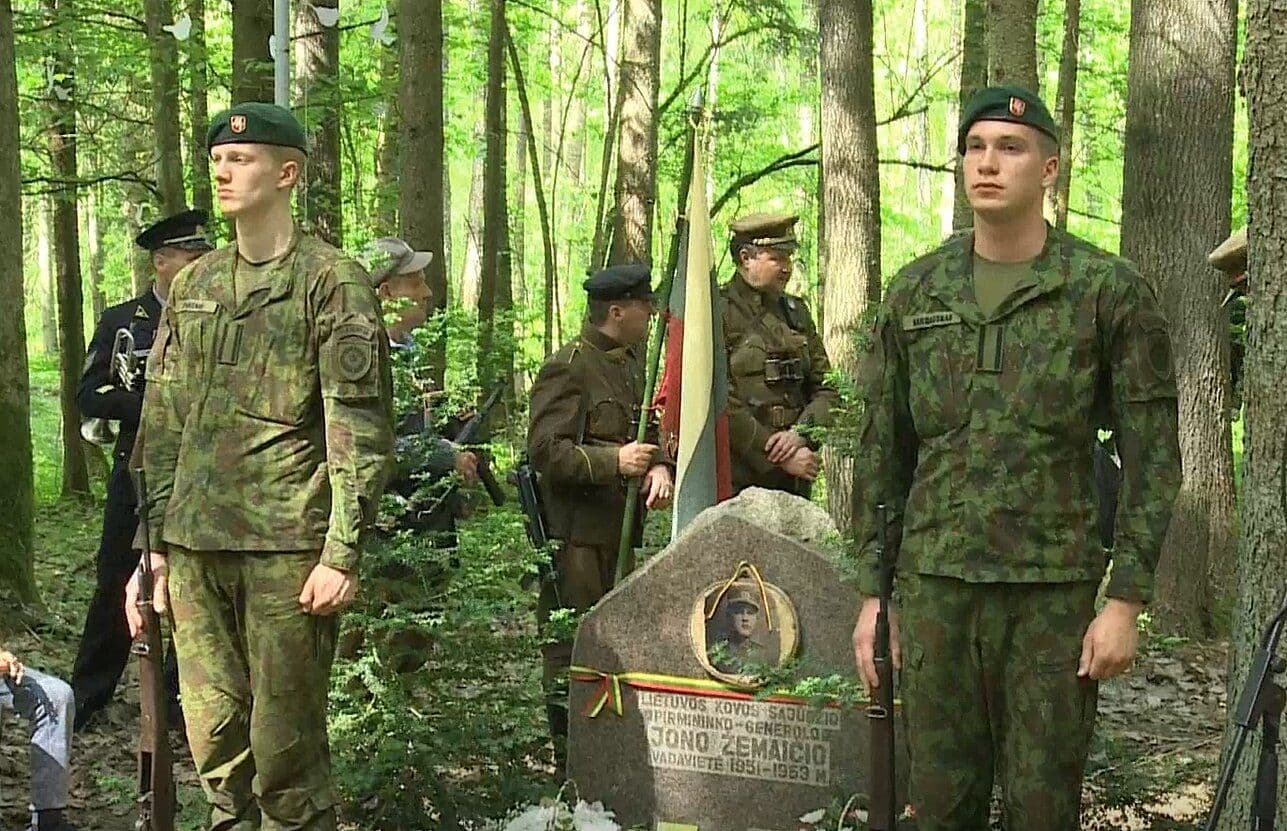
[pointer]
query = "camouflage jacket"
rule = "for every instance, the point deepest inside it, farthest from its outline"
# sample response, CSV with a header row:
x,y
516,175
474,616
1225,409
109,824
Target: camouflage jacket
x,y
978,431
777,370
267,420
584,405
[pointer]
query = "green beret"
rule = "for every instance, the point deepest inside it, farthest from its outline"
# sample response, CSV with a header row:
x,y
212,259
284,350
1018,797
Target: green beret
x,y
1013,104
766,231
620,282
256,123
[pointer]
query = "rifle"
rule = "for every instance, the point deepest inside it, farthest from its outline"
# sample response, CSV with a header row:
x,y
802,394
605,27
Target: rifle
x,y
883,814
155,773
525,479
468,435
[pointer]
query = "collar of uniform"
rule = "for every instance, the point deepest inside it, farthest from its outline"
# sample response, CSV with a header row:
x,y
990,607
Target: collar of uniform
x,y
591,335
152,303
267,282
952,282
747,295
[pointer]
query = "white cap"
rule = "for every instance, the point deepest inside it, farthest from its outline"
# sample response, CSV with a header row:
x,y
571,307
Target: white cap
x,y
388,256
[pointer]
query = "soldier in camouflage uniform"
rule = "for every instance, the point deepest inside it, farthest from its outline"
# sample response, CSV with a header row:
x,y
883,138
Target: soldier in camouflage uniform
x,y
777,366
581,441
267,439
994,361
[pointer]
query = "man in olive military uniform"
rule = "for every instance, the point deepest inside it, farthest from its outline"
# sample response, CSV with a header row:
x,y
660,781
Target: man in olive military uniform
x,y
424,459
581,441
777,366
994,362
105,642
267,439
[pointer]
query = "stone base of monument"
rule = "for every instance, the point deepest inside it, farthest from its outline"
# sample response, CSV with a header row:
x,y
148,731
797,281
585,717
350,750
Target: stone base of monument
x,y
668,727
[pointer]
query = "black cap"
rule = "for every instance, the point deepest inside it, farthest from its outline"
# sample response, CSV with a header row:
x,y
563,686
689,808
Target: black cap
x,y
255,122
1013,104
620,282
185,230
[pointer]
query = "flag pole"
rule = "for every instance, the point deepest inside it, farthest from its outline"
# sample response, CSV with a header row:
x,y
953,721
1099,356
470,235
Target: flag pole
x,y
624,561
281,61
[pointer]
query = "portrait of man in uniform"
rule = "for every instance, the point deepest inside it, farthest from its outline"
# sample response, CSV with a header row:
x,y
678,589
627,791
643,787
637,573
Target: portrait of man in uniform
x,y
741,628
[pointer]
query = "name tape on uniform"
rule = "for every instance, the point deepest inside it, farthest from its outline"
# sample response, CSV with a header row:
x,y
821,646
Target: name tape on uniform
x,y
204,306
929,321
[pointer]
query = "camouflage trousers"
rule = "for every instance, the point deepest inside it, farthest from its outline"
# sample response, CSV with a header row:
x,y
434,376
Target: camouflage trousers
x,y
254,670
991,694
581,575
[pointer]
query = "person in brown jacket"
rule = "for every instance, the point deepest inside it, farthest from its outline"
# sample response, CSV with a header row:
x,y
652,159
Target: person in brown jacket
x,y
581,441
777,366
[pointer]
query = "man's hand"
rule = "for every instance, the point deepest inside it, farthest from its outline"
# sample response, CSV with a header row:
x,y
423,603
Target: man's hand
x,y
635,458
658,486
327,590
11,667
1111,641
467,467
802,464
782,445
160,593
865,642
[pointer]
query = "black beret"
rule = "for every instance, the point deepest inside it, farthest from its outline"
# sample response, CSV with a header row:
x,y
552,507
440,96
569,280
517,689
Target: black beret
x,y
620,282
1013,104
257,123
185,230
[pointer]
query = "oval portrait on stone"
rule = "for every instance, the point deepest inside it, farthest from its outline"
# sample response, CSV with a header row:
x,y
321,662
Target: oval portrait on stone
x,y
739,629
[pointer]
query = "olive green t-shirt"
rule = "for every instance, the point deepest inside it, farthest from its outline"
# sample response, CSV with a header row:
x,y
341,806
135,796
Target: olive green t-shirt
x,y
994,282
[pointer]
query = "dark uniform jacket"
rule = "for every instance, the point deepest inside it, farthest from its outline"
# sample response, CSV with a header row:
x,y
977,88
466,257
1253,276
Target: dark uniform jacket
x,y
101,395
584,405
777,370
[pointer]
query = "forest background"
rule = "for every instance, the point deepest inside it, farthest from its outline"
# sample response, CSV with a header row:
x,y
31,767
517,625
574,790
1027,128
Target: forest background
x,y
527,142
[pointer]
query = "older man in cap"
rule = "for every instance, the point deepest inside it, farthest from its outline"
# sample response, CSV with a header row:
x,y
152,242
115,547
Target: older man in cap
x,y
581,441
777,366
267,443
423,456
104,648
994,362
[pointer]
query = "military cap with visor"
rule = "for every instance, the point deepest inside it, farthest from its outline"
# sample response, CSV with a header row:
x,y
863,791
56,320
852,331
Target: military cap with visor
x,y
620,282
766,230
742,596
183,230
255,122
1013,104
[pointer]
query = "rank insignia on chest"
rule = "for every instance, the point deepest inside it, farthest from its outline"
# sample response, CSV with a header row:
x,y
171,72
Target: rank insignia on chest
x,y
991,354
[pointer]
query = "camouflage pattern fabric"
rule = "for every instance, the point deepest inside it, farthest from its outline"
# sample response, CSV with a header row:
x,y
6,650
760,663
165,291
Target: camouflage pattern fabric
x,y
267,411
777,370
255,670
978,429
990,692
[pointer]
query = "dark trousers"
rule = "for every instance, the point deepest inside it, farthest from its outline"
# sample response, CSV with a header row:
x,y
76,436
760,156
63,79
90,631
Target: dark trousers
x,y
105,642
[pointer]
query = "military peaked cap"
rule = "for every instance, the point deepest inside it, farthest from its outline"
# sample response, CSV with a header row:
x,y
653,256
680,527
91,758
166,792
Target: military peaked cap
x,y
620,282
1231,255
766,230
185,230
742,594
257,123
1013,104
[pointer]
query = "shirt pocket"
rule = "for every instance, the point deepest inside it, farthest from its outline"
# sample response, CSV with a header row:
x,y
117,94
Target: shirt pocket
x,y
1052,362
940,372
608,420
271,374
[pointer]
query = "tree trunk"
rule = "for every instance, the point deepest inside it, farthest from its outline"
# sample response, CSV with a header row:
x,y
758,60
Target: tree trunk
x,y
199,85
851,200
17,509
1012,43
422,178
471,273
518,203
252,63
71,325
317,95
495,298
974,77
388,158
97,253
48,290
1067,106
636,187
163,55
1262,548
140,260
1177,188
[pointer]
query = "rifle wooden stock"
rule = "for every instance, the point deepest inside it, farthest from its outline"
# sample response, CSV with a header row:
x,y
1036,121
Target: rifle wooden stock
x,y
883,810
156,802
